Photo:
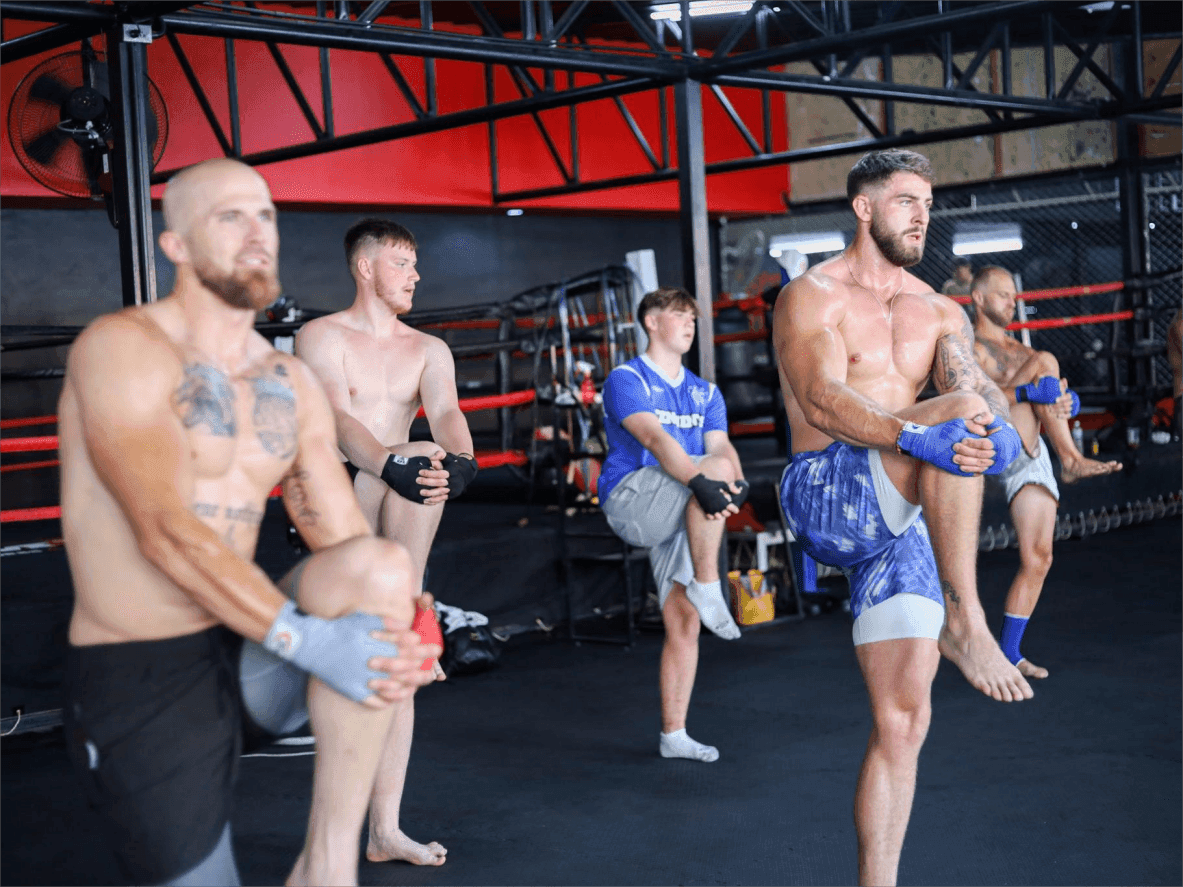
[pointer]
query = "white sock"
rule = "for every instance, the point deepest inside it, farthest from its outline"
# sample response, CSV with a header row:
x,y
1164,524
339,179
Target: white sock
x,y
679,745
707,598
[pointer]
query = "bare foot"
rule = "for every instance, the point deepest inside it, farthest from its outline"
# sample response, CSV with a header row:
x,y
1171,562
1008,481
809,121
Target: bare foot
x,y
1030,670
980,659
1082,468
399,846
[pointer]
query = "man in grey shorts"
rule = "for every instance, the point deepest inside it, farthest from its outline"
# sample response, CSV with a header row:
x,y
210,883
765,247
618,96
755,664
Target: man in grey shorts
x,y
1038,397
670,479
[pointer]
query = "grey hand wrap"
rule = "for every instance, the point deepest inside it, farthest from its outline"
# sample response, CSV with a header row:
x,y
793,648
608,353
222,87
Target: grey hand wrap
x,y
334,650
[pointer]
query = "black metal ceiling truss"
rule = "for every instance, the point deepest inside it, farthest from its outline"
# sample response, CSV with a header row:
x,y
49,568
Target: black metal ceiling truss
x,y
536,41
775,32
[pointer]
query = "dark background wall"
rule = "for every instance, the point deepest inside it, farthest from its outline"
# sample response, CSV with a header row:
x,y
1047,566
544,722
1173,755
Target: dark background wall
x,y
61,266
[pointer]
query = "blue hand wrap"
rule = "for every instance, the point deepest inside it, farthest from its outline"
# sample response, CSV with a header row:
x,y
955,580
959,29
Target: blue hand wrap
x,y
1045,389
934,443
334,650
1007,444
1075,402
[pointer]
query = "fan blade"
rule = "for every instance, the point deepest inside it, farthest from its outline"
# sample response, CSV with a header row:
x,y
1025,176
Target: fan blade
x,y
45,146
49,89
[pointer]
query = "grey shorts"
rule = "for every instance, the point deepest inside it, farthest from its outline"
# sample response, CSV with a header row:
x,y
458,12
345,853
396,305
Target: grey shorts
x,y
647,509
1030,470
274,692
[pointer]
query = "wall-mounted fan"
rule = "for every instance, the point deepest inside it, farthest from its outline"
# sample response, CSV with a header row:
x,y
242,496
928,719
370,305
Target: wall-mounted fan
x,y
59,123
743,261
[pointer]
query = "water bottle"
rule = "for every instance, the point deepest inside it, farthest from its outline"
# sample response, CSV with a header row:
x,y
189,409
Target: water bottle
x,y
1078,436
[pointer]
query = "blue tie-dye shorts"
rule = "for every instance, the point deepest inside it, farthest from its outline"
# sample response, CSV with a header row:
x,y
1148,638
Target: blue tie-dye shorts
x,y
832,509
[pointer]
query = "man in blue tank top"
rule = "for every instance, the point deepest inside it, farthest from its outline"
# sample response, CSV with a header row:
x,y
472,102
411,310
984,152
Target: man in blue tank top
x,y
669,482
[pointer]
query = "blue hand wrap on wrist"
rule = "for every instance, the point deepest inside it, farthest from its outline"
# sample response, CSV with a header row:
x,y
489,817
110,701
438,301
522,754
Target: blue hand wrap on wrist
x,y
934,443
1007,445
335,650
1075,402
1045,389
1012,635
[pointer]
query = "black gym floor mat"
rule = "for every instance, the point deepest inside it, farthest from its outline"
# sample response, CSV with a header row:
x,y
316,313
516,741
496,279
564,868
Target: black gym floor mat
x,y
545,771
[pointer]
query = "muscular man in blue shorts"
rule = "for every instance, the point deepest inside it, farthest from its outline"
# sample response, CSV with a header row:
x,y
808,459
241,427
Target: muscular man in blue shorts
x,y
887,488
670,479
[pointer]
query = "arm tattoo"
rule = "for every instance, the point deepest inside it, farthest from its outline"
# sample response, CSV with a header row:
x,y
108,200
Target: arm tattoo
x,y
297,494
955,369
206,398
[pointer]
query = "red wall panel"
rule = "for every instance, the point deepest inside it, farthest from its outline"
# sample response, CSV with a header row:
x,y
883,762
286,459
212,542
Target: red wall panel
x,y
439,169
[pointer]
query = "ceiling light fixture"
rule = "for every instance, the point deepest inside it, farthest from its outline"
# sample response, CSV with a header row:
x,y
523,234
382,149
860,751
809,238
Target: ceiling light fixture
x,y
969,240
673,11
807,243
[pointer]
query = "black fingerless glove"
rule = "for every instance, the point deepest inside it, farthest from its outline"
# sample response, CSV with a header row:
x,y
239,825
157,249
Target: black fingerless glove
x,y
738,499
713,495
401,474
461,472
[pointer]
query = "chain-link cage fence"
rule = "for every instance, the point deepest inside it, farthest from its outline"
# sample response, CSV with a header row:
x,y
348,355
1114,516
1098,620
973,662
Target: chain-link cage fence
x,y
1051,233
1164,235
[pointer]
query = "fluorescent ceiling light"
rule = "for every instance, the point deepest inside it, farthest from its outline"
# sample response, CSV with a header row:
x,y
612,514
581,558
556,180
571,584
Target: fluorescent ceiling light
x,y
673,11
970,239
807,243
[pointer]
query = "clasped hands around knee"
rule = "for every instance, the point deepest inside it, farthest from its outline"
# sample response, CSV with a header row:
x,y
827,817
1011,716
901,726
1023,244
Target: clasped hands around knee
x,y
982,444
370,659
718,498
416,472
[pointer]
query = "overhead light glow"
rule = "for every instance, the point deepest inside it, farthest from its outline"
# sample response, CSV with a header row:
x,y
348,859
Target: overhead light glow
x,y
673,11
807,243
514,212
969,240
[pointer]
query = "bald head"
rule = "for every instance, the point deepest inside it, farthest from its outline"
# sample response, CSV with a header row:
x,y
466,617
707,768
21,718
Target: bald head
x,y
221,233
990,275
192,192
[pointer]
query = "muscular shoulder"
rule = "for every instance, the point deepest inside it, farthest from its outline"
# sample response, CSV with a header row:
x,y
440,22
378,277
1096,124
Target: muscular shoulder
x,y
126,344
326,332
818,295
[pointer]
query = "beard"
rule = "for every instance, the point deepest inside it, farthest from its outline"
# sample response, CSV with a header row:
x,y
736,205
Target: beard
x,y
996,317
253,290
893,248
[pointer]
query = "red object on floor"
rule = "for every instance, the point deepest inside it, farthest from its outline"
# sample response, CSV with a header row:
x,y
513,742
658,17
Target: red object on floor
x,y
428,628
744,519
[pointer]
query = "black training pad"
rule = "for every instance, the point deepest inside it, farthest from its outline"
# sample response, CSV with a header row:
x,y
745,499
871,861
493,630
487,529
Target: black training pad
x,y
546,771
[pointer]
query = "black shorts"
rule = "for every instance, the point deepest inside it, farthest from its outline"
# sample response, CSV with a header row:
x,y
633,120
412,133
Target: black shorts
x,y
353,470
153,729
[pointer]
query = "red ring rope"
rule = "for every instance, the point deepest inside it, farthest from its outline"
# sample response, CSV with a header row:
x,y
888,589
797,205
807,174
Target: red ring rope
x,y
29,444
491,402
25,423
1064,292
488,459
1081,320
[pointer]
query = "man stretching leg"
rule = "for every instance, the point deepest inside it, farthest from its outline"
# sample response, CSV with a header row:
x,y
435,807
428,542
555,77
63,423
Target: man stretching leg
x,y
177,419
377,371
670,479
1037,396
872,470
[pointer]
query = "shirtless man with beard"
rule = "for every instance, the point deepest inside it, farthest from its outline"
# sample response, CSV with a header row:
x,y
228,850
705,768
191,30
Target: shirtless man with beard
x,y
176,422
887,487
377,372
1037,397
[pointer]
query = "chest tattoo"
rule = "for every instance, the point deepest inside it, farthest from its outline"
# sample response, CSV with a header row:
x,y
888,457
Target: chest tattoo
x,y
205,399
274,415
